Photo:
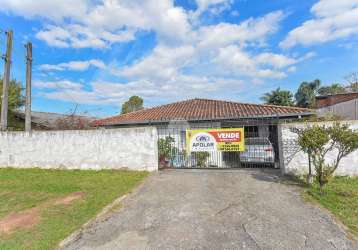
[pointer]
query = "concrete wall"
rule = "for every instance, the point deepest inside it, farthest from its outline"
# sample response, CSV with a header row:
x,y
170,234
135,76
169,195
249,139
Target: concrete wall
x,y
294,161
132,148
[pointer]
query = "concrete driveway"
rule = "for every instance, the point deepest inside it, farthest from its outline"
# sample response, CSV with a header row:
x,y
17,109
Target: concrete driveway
x,y
213,209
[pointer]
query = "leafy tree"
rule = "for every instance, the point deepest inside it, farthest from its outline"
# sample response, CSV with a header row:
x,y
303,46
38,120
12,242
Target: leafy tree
x,y
278,97
352,80
306,94
133,104
16,99
332,89
320,140
308,142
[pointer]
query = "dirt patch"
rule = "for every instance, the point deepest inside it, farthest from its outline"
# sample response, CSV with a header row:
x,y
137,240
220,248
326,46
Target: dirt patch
x,y
24,219
69,198
30,217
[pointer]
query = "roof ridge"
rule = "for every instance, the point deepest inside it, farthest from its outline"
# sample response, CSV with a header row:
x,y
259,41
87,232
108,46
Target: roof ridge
x,y
255,104
146,109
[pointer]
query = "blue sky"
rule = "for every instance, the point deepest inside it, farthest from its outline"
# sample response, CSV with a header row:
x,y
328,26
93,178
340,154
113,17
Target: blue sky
x,y
95,54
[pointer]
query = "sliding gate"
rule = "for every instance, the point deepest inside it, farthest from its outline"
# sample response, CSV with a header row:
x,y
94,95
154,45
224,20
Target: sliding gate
x,y
261,146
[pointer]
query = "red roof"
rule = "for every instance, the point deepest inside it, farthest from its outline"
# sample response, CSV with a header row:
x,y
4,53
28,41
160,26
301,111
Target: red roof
x,y
329,100
202,109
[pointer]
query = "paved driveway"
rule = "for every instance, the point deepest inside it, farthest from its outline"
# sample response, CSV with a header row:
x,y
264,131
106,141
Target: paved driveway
x,y
206,209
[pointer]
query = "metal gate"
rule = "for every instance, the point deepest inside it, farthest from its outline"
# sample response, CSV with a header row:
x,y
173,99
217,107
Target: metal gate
x,y
261,143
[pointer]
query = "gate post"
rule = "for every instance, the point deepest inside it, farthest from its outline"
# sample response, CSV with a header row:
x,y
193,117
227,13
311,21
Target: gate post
x,y
280,149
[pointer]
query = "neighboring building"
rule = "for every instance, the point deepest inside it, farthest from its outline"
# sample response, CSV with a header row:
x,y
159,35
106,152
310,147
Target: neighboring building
x,y
54,121
344,105
174,119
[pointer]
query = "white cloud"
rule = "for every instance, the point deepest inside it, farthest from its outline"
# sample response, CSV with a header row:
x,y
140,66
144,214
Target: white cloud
x,y
233,60
253,30
275,60
214,6
114,93
61,84
55,9
292,69
98,24
164,62
333,20
79,36
328,8
73,65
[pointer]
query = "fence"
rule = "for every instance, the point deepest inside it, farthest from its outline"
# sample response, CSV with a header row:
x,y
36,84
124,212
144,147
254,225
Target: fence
x,y
261,140
130,148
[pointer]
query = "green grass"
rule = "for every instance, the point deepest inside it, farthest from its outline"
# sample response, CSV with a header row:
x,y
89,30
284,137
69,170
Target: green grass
x,y
341,198
21,189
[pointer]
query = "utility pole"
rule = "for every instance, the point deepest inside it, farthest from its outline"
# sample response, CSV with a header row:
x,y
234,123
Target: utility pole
x,y
28,87
6,81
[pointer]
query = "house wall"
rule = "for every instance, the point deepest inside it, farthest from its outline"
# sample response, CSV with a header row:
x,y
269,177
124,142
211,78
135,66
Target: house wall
x,y
347,110
294,161
130,148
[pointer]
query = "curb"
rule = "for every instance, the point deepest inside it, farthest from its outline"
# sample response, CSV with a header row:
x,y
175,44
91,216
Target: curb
x,y
78,233
332,216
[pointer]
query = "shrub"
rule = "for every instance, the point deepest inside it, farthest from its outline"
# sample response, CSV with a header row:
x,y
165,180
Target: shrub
x,y
166,150
201,158
317,141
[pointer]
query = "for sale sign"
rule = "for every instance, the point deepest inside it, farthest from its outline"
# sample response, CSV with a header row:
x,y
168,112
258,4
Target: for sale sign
x,y
224,139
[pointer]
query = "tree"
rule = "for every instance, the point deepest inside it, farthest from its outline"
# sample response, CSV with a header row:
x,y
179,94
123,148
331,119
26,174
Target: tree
x,y
133,104
278,97
306,94
308,142
320,140
352,80
16,99
332,89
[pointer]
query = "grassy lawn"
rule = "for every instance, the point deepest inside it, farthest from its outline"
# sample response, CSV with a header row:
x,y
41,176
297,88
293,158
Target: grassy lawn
x,y
341,198
46,192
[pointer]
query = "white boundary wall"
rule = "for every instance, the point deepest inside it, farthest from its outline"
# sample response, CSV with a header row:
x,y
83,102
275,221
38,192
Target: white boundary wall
x,y
294,161
129,148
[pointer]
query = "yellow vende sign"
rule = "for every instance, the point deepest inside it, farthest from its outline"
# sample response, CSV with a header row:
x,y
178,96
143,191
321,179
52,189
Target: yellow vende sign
x,y
224,139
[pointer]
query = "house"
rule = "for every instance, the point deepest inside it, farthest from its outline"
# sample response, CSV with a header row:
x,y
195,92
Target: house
x,y
344,105
54,121
172,120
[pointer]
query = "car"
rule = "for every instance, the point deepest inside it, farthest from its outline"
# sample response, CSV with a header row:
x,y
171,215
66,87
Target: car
x,y
258,149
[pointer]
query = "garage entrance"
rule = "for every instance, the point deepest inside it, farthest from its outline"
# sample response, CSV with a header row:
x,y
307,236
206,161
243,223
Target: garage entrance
x,y
261,145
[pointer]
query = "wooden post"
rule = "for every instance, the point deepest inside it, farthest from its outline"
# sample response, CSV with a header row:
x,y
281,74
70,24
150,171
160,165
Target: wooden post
x,y
28,87
6,82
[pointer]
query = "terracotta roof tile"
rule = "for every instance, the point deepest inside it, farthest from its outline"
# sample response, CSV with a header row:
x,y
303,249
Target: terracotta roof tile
x,y
201,109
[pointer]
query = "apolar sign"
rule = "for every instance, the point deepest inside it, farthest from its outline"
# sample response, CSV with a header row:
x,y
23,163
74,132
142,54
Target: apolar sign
x,y
224,139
